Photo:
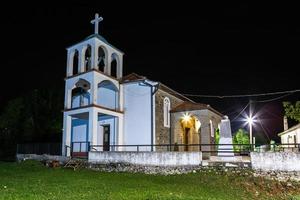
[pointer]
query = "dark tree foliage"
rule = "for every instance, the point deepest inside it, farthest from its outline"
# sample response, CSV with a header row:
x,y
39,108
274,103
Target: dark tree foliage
x,y
292,111
35,117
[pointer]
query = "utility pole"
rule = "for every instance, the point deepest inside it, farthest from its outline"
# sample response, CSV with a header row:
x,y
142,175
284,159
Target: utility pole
x,y
250,122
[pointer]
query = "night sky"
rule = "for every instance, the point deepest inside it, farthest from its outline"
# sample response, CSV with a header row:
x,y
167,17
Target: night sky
x,y
214,49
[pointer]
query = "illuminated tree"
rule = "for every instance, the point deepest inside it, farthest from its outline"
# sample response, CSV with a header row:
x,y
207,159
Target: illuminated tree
x,y
241,137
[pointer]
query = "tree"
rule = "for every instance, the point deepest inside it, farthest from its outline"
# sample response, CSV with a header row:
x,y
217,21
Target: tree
x,y
9,127
240,137
34,117
217,136
292,111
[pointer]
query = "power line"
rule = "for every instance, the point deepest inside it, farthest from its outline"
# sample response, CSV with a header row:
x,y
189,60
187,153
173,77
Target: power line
x,y
243,95
274,99
240,112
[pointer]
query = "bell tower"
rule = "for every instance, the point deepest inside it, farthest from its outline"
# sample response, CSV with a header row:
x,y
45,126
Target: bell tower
x,y
93,94
95,53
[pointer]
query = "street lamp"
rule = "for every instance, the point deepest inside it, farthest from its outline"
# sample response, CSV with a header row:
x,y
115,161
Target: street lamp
x,y
250,122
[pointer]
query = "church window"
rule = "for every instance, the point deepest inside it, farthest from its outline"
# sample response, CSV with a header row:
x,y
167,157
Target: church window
x,y
114,65
167,106
81,94
101,59
87,58
75,62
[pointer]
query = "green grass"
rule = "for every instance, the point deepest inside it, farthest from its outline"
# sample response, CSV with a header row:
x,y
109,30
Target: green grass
x,y
31,180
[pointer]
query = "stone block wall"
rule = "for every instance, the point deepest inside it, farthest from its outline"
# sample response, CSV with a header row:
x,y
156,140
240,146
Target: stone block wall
x,y
45,157
275,161
147,158
163,133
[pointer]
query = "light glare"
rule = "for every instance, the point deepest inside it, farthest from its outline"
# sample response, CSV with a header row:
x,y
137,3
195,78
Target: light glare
x,y
250,120
186,117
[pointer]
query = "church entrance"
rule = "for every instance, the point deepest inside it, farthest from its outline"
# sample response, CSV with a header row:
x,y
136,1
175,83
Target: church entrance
x,y
190,134
186,139
106,136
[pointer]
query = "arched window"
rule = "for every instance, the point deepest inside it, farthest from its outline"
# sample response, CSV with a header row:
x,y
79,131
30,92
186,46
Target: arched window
x,y
81,94
108,95
114,65
75,62
101,59
87,58
167,106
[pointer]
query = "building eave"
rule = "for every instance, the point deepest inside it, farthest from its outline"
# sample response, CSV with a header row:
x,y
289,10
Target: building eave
x,y
289,130
99,37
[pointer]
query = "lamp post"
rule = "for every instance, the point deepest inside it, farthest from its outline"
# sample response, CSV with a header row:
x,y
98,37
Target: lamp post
x,y
250,122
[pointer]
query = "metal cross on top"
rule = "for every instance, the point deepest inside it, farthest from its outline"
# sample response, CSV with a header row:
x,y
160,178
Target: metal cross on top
x,y
96,22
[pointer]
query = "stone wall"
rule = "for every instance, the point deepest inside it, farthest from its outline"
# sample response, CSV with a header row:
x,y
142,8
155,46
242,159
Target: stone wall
x,y
275,161
163,133
147,158
44,157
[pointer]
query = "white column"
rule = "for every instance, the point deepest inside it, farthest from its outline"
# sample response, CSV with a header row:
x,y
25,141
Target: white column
x,y
120,67
68,97
81,61
94,88
121,97
120,132
66,140
96,57
70,64
93,125
93,61
108,66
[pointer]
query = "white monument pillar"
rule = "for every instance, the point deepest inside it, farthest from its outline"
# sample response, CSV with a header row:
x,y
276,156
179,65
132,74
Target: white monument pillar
x,y
225,150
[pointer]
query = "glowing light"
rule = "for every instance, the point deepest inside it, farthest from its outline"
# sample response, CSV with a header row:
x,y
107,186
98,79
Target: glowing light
x,y
186,117
250,120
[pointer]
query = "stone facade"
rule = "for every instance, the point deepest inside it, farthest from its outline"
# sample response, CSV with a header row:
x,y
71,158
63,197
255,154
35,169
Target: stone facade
x,y
162,132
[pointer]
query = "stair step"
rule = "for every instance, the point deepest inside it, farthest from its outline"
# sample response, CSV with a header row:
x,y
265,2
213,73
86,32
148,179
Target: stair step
x,y
75,163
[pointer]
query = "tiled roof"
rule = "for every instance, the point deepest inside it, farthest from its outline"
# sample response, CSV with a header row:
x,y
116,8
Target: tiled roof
x,y
132,77
189,106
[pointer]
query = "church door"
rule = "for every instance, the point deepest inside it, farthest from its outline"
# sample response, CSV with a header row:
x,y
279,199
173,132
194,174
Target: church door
x,y
106,136
186,139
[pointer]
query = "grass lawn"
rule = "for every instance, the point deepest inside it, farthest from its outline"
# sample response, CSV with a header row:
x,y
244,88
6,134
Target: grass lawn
x,y
31,180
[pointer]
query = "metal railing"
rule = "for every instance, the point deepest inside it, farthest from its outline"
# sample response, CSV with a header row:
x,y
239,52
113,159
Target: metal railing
x,y
39,148
277,147
236,149
213,149
80,146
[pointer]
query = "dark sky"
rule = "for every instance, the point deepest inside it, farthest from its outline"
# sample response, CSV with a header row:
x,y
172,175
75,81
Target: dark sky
x,y
216,49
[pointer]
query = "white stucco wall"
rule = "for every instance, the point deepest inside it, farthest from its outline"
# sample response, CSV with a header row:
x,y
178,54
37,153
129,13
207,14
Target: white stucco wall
x,y
107,97
289,137
147,158
79,134
137,114
94,78
275,161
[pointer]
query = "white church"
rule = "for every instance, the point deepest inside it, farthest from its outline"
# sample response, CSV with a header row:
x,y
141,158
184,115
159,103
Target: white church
x,y
106,111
